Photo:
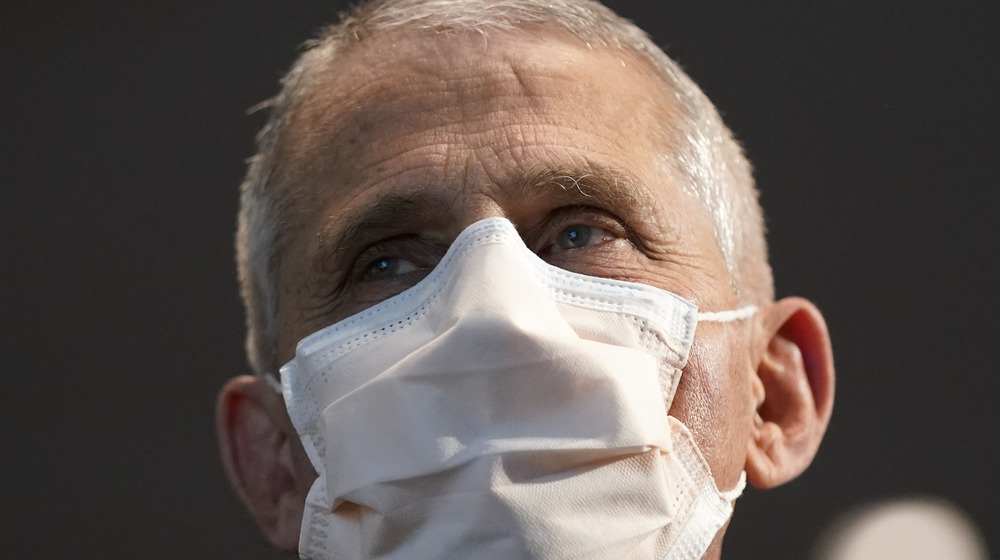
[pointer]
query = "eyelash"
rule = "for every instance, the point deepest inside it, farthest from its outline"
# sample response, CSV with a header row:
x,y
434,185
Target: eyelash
x,y
341,298
568,216
422,253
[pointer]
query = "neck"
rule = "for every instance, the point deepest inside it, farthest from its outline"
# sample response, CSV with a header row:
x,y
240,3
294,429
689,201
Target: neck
x,y
714,551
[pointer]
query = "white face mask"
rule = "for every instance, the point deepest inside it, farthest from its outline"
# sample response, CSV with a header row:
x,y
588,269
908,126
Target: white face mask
x,y
504,409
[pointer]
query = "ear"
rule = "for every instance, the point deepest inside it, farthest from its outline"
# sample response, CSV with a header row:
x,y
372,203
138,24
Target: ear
x,y
794,390
257,441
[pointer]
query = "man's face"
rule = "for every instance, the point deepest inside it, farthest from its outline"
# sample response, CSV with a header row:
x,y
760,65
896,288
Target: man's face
x,y
413,137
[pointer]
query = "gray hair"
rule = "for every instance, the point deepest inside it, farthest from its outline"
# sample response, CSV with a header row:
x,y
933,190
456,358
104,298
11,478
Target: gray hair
x,y
698,146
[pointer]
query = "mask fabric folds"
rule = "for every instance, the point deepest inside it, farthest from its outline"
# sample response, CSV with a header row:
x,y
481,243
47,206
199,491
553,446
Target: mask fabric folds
x,y
503,408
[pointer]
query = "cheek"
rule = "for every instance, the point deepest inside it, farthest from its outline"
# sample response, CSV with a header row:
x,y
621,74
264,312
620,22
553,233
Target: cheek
x,y
297,306
713,400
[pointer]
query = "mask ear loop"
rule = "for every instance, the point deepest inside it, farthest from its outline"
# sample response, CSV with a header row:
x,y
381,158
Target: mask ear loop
x,y
728,316
272,381
737,491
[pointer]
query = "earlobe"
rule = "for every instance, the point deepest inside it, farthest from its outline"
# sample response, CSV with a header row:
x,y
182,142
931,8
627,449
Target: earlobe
x,y
258,457
794,386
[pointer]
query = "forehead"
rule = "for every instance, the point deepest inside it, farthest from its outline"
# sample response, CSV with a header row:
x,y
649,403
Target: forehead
x,y
411,104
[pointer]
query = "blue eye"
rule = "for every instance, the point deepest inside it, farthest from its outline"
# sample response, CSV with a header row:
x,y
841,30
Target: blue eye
x,y
388,267
578,236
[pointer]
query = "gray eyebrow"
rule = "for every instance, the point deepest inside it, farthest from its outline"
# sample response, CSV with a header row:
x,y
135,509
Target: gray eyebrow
x,y
613,190
378,215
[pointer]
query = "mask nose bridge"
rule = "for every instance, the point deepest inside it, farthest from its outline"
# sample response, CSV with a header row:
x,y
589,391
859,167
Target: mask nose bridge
x,y
497,276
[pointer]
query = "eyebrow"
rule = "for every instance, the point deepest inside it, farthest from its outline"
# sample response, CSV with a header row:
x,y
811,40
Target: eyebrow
x,y
614,190
384,214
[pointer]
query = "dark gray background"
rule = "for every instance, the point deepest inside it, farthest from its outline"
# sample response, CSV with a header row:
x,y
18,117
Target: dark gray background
x,y
122,138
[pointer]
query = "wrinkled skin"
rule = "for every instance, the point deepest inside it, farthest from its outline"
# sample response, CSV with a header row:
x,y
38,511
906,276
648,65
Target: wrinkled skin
x,y
415,136
468,133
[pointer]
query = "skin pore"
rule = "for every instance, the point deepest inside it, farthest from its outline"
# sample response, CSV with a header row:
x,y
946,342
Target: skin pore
x,y
415,135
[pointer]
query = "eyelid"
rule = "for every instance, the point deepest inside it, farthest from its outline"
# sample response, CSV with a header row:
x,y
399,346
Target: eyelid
x,y
350,292
585,215
578,211
423,253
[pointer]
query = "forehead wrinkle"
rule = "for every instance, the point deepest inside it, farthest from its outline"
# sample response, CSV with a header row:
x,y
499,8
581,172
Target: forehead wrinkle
x,y
450,93
413,157
380,91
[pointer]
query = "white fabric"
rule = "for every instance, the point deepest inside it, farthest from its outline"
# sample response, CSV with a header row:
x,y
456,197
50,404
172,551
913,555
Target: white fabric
x,y
505,409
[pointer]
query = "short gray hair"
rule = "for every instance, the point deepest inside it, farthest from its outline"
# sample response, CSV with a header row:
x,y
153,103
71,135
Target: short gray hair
x,y
698,146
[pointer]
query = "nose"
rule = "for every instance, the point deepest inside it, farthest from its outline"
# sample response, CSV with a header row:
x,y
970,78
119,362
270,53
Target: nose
x,y
492,274
476,205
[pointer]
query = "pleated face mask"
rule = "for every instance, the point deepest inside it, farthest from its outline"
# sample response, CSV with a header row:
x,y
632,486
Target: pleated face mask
x,y
504,409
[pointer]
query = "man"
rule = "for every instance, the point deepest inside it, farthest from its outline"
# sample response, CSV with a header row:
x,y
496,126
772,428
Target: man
x,y
499,219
